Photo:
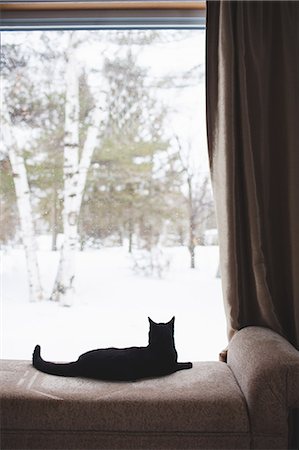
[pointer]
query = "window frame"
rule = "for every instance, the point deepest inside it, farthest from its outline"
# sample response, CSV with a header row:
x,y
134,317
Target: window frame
x,y
104,14
133,14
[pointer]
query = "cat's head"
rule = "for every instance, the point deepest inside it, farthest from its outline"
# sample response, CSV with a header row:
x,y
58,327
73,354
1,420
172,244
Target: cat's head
x,y
161,333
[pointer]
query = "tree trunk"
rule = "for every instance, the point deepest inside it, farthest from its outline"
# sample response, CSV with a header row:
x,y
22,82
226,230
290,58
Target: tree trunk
x,y
191,245
91,142
131,228
192,255
63,287
75,175
54,220
25,213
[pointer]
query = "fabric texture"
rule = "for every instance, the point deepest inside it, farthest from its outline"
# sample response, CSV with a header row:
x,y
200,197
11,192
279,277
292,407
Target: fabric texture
x,y
253,140
199,408
240,405
266,367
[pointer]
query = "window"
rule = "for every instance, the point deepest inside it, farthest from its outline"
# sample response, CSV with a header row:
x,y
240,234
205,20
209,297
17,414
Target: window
x,y
106,205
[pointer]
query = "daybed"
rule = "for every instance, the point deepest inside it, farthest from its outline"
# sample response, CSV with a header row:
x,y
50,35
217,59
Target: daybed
x,y
239,405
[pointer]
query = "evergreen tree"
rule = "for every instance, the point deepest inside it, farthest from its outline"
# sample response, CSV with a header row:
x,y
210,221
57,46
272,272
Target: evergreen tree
x,y
124,191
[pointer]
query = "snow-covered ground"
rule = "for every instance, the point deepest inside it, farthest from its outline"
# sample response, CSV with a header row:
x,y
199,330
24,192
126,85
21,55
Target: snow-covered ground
x,y
111,305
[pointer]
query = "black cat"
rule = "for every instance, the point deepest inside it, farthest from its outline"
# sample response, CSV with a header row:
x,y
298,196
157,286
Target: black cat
x,y
157,359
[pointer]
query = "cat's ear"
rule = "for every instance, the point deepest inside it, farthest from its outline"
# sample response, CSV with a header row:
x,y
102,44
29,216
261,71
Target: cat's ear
x,y
171,324
150,321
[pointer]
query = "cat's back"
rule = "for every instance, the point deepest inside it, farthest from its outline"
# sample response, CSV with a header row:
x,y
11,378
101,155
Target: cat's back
x,y
116,363
114,354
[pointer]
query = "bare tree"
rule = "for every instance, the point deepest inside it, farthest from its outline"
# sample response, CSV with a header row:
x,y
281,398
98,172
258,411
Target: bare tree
x,y
197,196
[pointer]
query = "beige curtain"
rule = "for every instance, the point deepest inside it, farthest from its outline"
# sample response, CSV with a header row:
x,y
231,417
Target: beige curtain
x,y
253,136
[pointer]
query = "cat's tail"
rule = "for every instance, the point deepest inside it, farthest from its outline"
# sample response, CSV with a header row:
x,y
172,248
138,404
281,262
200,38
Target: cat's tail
x,y
64,370
182,366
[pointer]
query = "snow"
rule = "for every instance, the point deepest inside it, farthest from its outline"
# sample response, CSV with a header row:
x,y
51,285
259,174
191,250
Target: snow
x,y
111,305
111,302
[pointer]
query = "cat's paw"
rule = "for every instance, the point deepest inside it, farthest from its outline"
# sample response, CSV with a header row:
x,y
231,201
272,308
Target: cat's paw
x,y
187,365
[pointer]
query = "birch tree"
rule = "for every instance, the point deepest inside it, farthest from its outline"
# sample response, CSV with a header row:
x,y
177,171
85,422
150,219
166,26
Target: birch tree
x,y
13,142
75,169
11,147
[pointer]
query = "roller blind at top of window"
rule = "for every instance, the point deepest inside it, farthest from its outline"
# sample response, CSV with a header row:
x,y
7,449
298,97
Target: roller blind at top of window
x,y
104,14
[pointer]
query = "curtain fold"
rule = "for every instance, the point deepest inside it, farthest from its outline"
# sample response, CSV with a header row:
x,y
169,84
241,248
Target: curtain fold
x,y
253,141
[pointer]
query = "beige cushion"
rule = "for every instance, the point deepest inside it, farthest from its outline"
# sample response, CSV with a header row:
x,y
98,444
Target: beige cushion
x,y
266,367
204,403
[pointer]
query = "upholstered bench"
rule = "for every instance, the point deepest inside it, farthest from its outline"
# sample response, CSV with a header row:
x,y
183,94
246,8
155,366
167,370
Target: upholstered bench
x,y
240,405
